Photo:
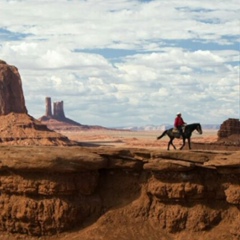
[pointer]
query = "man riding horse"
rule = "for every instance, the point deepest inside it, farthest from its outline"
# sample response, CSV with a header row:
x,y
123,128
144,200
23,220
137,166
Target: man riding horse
x,y
179,123
188,129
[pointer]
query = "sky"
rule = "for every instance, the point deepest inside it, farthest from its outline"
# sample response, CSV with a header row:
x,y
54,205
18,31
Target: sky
x,y
121,63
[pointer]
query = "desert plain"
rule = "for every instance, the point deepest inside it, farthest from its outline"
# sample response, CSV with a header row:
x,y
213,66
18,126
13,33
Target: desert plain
x,y
127,138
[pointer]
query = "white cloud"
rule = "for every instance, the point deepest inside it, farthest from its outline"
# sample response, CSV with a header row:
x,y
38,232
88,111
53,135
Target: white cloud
x,y
181,56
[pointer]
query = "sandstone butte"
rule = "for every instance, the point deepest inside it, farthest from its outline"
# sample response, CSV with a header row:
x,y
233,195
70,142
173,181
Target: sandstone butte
x,y
57,189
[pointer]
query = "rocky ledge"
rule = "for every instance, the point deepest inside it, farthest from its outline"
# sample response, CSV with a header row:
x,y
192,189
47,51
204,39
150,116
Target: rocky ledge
x,y
112,192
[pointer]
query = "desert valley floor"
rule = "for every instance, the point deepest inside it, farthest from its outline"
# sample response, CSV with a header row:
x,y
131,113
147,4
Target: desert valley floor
x,y
145,139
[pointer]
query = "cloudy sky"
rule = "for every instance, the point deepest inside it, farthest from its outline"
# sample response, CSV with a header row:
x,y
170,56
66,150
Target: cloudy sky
x,y
126,62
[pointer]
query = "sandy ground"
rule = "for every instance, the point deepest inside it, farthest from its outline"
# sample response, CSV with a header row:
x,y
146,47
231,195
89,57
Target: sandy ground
x,y
144,139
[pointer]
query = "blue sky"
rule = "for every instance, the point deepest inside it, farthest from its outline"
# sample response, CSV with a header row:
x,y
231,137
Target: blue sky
x,y
126,62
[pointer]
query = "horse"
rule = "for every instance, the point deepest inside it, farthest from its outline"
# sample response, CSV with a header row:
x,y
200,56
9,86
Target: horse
x,y
186,134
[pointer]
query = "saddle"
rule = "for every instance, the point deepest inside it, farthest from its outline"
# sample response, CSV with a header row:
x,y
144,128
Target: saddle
x,y
175,130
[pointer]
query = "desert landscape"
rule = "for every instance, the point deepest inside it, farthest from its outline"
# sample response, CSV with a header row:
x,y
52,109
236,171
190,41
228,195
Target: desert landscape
x,y
63,180
145,139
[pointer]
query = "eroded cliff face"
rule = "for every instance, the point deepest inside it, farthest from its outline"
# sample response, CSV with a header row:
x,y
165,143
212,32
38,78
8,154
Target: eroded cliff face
x,y
113,193
11,93
45,204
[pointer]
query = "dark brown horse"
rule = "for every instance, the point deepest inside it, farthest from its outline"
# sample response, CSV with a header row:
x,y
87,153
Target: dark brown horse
x,y
186,134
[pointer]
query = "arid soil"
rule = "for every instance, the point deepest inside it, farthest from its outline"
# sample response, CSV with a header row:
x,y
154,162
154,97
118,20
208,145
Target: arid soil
x,y
145,139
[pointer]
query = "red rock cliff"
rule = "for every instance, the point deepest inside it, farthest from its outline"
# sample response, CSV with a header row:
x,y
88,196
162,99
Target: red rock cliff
x,y
11,94
229,132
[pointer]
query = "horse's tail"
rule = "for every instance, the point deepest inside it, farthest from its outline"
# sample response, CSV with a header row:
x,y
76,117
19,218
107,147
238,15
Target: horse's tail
x,y
163,134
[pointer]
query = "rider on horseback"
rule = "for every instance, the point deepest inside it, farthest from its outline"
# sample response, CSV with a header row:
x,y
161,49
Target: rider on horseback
x,y
179,123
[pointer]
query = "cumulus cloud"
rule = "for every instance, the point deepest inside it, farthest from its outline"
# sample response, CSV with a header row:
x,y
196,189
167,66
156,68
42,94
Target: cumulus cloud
x,y
126,62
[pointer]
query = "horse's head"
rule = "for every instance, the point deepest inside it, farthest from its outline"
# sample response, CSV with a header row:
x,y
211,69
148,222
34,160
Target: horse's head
x,y
199,128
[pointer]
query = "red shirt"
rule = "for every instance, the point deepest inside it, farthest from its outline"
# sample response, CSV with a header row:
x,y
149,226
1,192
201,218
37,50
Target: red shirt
x,y
178,122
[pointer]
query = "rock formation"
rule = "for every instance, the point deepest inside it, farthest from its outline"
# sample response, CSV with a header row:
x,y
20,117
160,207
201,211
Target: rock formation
x,y
229,127
58,111
48,107
22,129
229,132
58,121
11,93
17,127
118,193
228,137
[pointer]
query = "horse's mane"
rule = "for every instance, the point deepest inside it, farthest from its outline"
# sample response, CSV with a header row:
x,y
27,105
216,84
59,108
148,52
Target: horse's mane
x,y
193,124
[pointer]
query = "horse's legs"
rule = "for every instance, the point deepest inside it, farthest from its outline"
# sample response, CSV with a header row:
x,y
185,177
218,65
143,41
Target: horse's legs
x,y
189,143
171,143
183,144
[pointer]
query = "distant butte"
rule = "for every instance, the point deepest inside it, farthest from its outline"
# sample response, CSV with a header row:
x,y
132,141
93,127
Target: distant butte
x,y
56,119
230,131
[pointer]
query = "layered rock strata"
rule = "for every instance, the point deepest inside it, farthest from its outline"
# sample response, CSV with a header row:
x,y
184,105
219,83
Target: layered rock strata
x,y
24,130
119,193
